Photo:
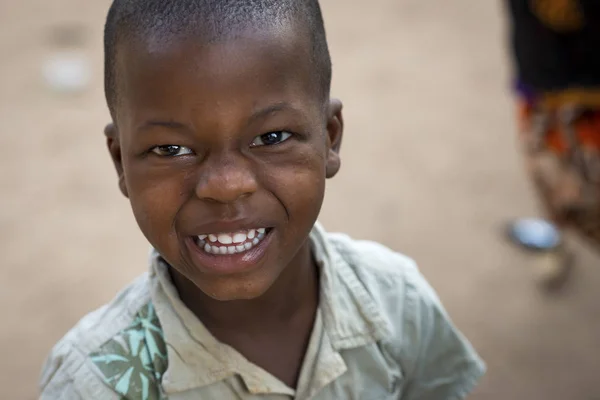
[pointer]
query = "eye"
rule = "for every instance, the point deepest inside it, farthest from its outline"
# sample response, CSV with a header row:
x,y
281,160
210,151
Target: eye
x,y
171,150
271,138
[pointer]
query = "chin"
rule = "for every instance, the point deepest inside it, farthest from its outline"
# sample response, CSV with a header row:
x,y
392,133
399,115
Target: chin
x,y
230,291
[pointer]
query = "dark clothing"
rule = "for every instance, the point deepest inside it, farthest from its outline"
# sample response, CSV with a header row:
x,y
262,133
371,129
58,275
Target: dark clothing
x,y
548,59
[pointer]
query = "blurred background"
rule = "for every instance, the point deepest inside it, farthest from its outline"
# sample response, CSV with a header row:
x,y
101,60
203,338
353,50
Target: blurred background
x,y
430,168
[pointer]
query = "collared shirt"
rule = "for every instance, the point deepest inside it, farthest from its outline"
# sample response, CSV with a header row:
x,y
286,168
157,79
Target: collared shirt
x,y
380,333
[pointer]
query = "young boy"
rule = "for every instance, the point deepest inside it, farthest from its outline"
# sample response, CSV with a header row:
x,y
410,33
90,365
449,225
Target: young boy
x,y
223,135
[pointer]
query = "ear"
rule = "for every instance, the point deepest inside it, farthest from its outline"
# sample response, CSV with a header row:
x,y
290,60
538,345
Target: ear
x,y
114,148
335,130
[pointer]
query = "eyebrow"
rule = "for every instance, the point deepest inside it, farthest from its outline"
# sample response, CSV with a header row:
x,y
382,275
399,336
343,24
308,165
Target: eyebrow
x,y
273,108
162,124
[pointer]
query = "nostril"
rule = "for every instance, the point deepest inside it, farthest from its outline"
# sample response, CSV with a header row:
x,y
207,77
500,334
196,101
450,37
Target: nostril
x,y
226,185
225,200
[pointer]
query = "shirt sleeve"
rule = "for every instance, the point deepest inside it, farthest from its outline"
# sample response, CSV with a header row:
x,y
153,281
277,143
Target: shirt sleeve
x,y
56,381
66,375
64,391
444,364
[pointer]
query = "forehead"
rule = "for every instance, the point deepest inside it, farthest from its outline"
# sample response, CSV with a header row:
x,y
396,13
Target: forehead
x,y
184,74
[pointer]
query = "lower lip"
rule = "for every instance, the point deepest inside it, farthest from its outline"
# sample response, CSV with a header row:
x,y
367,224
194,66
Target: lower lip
x,y
229,263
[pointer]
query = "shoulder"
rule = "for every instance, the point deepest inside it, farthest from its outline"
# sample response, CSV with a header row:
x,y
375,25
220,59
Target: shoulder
x,y
380,269
435,357
68,372
392,280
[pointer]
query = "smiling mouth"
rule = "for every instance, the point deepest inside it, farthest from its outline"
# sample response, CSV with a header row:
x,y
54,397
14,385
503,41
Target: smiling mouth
x,y
230,243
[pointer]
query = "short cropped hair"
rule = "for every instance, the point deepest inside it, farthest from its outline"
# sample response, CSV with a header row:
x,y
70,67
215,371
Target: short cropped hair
x,y
214,19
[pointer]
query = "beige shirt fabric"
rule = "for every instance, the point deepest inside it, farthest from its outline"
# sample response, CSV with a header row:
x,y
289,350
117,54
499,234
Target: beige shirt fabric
x,y
380,333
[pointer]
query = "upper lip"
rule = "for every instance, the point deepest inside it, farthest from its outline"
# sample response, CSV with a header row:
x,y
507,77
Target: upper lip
x,y
225,226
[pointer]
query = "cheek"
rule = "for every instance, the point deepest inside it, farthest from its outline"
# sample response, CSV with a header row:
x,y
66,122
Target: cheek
x,y
304,188
300,186
156,197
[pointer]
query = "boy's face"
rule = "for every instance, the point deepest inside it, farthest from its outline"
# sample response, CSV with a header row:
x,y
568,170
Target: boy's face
x,y
223,150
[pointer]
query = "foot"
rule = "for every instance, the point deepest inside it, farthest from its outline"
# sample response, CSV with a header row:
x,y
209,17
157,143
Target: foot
x,y
534,234
552,268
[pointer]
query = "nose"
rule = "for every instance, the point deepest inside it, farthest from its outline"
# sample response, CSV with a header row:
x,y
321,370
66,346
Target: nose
x,y
226,179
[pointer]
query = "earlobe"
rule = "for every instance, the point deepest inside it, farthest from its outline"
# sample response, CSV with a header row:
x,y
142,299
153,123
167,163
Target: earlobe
x,y
114,149
335,130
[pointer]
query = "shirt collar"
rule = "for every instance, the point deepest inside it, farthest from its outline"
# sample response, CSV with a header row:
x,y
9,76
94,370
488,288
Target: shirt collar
x,y
350,315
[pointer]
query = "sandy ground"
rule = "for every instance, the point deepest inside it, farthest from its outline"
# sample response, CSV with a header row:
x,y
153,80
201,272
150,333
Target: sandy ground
x,y
430,169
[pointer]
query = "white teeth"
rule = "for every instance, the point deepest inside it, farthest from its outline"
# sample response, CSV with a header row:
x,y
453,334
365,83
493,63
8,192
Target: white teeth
x,y
225,238
239,238
235,243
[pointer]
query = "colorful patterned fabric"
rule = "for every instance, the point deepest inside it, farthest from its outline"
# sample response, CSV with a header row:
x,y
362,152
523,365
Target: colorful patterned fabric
x,y
562,148
133,362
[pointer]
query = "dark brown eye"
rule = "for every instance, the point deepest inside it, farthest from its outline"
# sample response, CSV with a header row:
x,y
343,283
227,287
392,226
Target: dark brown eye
x,y
171,150
271,138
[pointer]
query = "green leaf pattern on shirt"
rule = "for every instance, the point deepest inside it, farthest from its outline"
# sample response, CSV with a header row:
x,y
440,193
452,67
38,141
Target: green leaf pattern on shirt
x,y
134,361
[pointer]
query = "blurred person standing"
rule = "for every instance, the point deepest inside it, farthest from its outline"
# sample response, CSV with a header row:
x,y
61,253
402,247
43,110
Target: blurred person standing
x,y
556,53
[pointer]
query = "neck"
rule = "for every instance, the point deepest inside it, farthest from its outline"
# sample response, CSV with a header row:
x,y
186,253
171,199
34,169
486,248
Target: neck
x,y
295,291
